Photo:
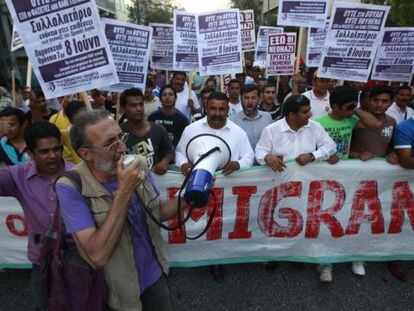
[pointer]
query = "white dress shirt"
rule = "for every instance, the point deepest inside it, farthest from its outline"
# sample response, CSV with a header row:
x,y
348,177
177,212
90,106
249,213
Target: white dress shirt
x,y
399,115
182,102
279,139
231,133
319,106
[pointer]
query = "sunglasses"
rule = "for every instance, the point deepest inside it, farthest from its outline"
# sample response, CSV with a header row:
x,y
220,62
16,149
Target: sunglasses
x,y
351,107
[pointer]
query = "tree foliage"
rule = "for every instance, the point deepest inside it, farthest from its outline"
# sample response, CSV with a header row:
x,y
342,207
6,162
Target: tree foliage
x,y
143,12
401,13
254,5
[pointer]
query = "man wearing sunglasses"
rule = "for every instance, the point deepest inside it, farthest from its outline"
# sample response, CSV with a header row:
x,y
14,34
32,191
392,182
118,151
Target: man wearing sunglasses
x,y
32,185
344,118
340,123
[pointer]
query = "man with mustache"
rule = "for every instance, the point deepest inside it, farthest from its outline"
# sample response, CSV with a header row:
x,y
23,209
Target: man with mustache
x,y
216,123
250,119
399,110
107,218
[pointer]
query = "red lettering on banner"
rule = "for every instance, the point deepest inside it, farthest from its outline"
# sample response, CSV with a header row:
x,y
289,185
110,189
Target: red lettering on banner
x,y
267,206
10,223
366,194
215,230
316,215
241,225
175,236
402,199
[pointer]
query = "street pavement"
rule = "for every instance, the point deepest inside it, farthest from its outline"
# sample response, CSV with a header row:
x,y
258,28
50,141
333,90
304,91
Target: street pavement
x,y
249,287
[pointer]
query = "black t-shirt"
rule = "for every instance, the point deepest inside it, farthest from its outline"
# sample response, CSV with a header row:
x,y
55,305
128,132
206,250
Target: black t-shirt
x,y
275,111
46,118
154,145
174,124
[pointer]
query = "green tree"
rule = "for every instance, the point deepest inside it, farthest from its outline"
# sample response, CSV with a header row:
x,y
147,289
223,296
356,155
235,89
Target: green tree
x,y
143,12
254,5
401,12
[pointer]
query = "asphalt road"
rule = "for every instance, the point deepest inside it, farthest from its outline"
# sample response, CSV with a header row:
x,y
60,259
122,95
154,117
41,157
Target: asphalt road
x,y
249,287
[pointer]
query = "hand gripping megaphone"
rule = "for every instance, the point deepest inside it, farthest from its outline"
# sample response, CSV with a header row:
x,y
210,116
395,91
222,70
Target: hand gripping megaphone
x,y
207,153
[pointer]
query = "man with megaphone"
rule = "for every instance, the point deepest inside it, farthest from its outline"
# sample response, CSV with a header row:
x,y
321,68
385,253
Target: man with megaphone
x,y
211,143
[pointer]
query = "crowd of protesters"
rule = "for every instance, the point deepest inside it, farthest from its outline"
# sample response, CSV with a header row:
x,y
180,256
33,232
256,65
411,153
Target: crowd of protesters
x,y
265,121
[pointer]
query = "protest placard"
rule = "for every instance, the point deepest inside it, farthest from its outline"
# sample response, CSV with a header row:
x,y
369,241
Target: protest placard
x,y
302,13
130,47
349,211
185,56
281,49
162,46
261,45
16,41
315,43
395,56
248,35
353,36
65,43
219,42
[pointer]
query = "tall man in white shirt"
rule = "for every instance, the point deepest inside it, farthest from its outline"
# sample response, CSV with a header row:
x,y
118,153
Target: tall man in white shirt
x,y
399,110
294,137
186,101
216,123
319,96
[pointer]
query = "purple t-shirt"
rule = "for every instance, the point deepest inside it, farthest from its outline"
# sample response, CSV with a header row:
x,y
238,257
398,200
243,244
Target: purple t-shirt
x,y
77,216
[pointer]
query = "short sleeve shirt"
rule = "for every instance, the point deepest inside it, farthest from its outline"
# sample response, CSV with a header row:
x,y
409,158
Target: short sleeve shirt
x,y
340,132
404,135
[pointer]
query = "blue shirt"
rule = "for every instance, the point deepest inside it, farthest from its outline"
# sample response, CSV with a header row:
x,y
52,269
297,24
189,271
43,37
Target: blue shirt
x,y
404,135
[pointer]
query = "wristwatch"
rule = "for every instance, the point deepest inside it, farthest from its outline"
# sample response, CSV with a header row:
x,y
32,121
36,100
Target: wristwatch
x,y
312,157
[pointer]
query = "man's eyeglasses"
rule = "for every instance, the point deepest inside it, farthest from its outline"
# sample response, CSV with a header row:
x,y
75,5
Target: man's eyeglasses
x,y
120,139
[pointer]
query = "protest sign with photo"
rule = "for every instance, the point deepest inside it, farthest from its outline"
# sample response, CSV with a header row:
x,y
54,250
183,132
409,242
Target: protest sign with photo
x,y
162,46
219,42
16,41
316,41
302,13
130,47
248,35
395,56
185,55
261,45
281,49
351,43
66,45
349,211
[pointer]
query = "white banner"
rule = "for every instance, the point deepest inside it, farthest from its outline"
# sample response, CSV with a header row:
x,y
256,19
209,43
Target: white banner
x,y
162,46
185,55
316,41
395,56
219,42
351,43
352,210
66,45
130,47
16,41
281,51
302,13
248,34
260,53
